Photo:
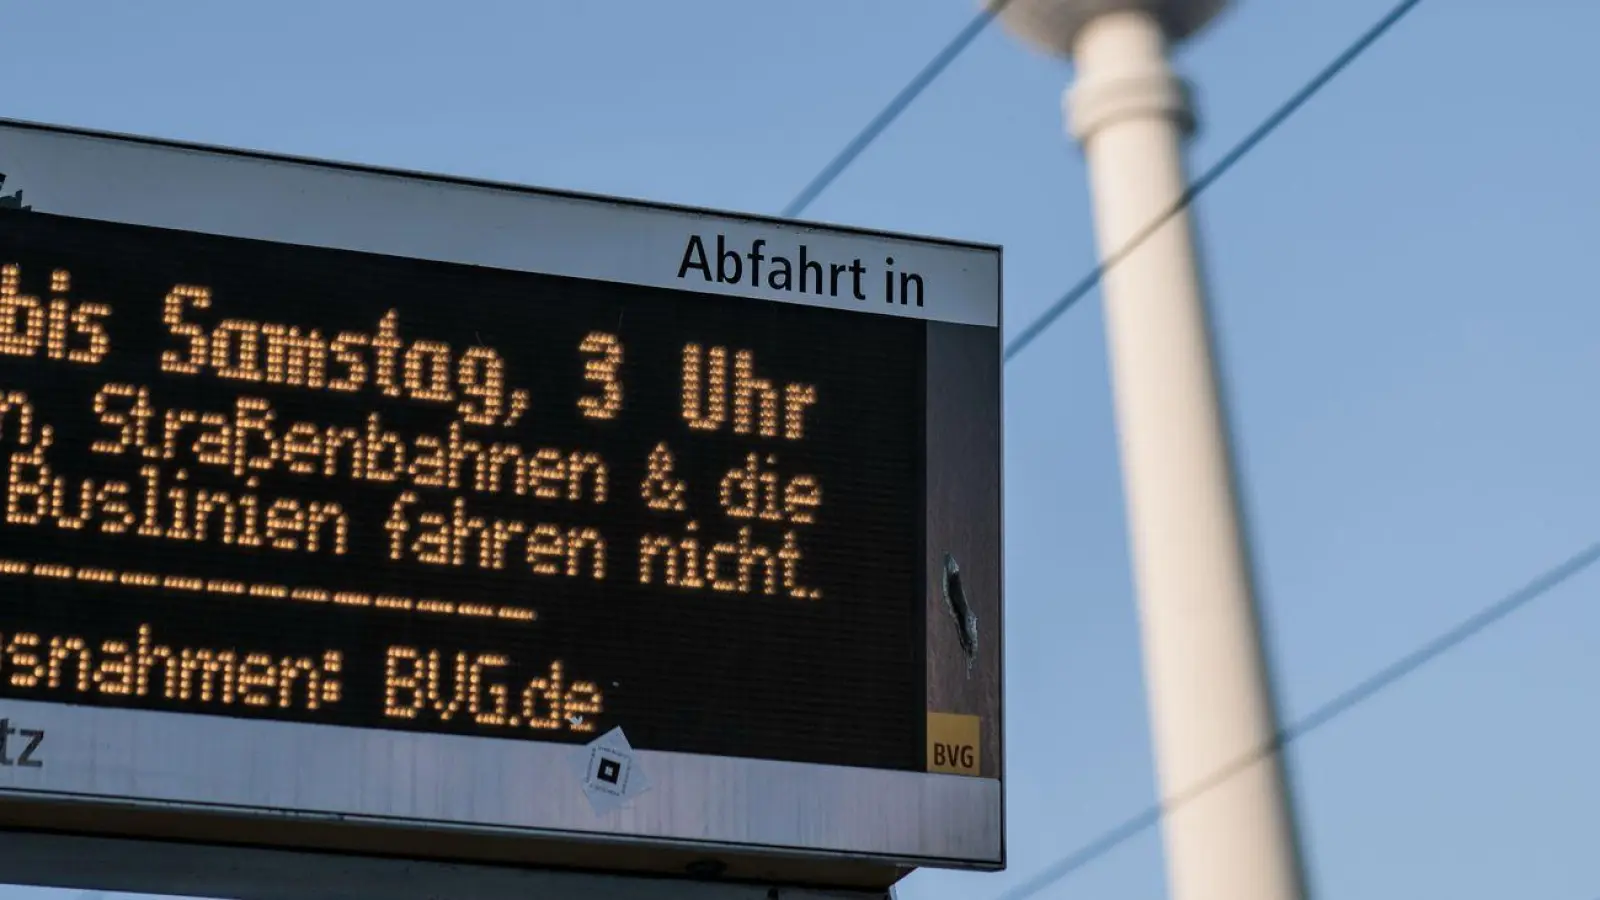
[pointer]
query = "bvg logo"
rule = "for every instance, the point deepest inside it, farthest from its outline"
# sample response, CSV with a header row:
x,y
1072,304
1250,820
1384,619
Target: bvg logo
x,y
952,744
963,757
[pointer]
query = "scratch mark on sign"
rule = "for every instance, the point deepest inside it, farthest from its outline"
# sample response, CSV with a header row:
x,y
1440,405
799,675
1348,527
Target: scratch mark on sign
x,y
955,600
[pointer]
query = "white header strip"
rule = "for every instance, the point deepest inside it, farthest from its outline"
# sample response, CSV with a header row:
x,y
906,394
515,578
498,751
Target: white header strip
x,y
216,192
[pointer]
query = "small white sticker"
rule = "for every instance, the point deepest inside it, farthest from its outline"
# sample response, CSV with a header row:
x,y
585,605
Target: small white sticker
x,y
609,772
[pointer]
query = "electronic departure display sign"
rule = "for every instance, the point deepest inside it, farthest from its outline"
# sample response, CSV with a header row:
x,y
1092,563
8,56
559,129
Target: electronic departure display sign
x,y
422,502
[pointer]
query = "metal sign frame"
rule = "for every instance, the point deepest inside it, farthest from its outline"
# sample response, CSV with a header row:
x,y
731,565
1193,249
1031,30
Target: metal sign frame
x,y
249,873
188,777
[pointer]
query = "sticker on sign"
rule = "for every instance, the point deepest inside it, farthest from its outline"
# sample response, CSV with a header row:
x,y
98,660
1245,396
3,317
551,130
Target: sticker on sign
x,y
609,772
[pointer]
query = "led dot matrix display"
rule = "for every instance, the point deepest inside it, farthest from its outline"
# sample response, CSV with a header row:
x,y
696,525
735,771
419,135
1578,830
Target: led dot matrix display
x,y
262,480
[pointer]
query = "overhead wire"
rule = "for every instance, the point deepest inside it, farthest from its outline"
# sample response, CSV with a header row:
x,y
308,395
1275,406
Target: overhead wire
x,y
1116,836
1211,175
892,110
936,66
1364,690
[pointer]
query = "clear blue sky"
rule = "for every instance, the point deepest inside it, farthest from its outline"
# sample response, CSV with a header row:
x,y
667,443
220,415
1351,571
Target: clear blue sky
x,y
1404,278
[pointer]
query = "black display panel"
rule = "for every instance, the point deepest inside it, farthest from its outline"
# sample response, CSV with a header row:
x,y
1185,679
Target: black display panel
x,y
263,480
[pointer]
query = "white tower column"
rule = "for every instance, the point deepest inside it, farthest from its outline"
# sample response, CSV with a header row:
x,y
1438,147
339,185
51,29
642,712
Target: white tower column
x,y
1231,833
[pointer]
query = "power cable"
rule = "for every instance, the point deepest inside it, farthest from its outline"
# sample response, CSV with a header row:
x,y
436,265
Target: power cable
x,y
1365,690
964,38
893,109
1212,175
1137,824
